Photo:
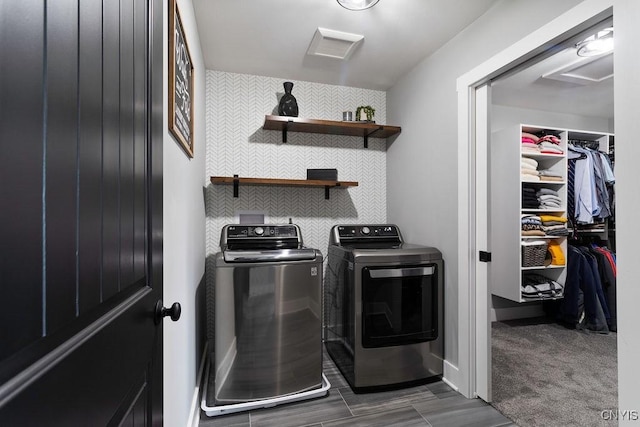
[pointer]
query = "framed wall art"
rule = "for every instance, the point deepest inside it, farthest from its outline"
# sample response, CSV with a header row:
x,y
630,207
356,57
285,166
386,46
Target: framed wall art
x,y
180,82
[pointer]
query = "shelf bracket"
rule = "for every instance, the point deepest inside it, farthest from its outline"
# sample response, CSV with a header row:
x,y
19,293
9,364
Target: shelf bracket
x,y
326,192
366,135
236,185
284,130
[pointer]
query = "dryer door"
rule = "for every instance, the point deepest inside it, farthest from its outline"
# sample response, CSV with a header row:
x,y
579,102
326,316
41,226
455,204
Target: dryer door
x,y
399,305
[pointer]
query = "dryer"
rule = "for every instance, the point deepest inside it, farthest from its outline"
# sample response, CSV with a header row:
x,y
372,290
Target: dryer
x,y
383,300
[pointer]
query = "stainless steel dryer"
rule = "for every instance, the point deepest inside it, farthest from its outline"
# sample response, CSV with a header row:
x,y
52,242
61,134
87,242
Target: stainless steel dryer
x,y
383,303
268,345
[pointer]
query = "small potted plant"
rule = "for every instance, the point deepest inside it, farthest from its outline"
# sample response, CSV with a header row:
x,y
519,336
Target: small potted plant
x,y
365,113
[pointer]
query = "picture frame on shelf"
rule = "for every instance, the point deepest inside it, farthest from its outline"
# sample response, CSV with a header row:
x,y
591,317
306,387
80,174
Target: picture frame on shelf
x,y
181,81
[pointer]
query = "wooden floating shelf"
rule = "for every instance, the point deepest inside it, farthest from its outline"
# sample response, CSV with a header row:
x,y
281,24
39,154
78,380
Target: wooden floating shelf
x,y
329,127
236,181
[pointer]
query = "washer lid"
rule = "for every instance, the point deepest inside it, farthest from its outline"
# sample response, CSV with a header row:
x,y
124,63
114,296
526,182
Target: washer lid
x,y
259,237
279,255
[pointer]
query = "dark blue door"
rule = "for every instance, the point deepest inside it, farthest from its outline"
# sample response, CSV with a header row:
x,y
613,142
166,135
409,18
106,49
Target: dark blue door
x,y
80,212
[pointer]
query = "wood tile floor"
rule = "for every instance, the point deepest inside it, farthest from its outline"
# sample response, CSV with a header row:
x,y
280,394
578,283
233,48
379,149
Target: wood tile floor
x,y
434,404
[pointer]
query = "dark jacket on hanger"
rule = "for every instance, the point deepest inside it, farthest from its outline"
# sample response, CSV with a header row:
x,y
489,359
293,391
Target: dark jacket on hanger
x,y
608,281
581,295
595,273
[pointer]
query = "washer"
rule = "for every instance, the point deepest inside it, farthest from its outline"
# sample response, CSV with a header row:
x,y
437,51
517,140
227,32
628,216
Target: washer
x,y
383,308
268,327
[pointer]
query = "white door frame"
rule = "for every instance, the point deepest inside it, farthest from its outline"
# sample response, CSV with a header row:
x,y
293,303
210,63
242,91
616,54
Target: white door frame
x,y
481,215
581,17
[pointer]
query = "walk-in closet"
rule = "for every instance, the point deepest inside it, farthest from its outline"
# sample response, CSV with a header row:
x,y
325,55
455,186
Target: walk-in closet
x,y
551,220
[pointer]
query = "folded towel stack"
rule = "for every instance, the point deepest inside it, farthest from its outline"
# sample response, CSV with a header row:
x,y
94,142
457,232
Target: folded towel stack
x,y
547,144
531,225
550,144
548,175
534,197
549,201
530,143
553,225
528,169
529,198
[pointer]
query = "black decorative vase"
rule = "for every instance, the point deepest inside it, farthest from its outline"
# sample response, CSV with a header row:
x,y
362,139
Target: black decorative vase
x,y
288,105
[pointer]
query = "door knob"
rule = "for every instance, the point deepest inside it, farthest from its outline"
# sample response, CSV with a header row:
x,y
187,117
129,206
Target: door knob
x,y
174,311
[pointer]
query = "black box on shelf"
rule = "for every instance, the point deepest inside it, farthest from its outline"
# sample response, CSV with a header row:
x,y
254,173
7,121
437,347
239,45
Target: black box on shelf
x,y
323,174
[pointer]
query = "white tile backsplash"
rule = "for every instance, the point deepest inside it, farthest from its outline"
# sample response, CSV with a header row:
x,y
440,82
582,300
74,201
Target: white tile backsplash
x,y
236,105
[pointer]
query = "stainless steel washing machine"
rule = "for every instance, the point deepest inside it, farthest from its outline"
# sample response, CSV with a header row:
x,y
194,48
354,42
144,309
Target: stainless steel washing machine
x,y
268,327
383,303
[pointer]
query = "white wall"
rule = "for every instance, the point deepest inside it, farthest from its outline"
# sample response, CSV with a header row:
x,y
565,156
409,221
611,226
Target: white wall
x,y
626,15
422,163
184,231
504,116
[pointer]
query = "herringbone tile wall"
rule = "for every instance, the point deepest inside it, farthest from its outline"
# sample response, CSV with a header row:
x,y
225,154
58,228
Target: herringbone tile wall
x,y
236,144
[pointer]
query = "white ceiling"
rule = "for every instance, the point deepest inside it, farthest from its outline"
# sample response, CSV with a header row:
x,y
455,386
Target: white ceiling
x,y
271,37
564,92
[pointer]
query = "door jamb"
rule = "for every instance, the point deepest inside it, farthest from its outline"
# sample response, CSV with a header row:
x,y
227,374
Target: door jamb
x,y
581,17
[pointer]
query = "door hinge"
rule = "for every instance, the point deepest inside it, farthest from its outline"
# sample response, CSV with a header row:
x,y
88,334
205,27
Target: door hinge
x,y
485,256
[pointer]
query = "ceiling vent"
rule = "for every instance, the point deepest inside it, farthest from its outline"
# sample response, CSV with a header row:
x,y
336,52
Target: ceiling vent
x,y
333,44
585,71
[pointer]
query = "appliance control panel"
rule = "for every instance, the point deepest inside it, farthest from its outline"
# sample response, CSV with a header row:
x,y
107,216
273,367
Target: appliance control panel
x,y
261,230
366,231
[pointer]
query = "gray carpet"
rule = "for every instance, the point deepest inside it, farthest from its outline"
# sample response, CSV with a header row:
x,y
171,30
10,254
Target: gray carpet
x,y
547,375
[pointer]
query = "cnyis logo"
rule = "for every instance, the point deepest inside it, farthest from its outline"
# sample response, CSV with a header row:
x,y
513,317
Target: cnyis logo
x,y
620,414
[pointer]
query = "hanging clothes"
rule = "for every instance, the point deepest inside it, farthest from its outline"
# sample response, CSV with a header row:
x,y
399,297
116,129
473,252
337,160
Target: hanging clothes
x,y
590,186
590,290
581,306
607,271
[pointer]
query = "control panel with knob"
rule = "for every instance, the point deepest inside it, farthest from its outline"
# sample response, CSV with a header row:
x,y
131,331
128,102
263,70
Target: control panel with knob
x,y
262,231
369,231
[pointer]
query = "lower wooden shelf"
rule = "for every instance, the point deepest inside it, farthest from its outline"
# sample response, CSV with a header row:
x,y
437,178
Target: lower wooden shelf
x,y
236,181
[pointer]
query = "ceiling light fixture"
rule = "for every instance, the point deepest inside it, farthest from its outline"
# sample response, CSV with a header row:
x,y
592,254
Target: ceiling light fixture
x,y
597,44
357,4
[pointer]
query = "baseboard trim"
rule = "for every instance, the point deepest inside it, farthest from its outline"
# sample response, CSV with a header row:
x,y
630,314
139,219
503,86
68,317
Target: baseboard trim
x,y
194,412
451,375
522,312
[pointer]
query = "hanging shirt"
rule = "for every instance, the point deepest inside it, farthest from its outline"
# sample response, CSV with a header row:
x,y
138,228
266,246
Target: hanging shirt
x,y
586,201
607,168
601,186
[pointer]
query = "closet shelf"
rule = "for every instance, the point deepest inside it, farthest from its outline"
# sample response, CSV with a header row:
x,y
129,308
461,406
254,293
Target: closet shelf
x,y
236,181
543,155
543,267
594,231
545,182
540,299
511,198
329,127
525,210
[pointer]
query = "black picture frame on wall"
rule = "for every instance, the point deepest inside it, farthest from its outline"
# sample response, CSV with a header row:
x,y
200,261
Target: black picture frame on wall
x,y
180,82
